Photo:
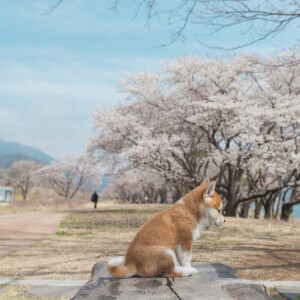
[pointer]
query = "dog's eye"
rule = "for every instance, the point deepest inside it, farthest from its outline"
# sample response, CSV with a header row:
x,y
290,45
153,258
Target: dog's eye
x,y
219,210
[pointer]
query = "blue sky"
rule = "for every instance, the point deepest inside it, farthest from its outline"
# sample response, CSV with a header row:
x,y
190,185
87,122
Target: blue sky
x,y
56,68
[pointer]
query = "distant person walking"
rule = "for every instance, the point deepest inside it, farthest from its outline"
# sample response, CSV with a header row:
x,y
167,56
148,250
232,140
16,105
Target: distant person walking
x,y
94,198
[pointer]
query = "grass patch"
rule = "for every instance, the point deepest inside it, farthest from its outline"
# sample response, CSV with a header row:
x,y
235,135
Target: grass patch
x,y
119,218
84,233
62,233
65,222
275,294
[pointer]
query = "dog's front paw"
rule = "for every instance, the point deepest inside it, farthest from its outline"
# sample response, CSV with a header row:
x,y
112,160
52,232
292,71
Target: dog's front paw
x,y
194,271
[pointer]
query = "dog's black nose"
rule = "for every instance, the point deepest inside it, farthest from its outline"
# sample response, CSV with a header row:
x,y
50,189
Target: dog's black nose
x,y
224,221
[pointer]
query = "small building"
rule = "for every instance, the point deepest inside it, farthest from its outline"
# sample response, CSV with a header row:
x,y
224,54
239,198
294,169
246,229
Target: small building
x,y
6,194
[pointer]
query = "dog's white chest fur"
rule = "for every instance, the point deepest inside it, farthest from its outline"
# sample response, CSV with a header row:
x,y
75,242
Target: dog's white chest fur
x,y
197,232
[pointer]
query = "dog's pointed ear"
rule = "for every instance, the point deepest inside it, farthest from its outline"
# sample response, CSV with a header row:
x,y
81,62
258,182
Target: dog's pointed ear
x,y
210,189
205,183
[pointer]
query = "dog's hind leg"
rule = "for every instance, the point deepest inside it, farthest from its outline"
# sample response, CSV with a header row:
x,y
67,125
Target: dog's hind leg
x,y
159,261
175,269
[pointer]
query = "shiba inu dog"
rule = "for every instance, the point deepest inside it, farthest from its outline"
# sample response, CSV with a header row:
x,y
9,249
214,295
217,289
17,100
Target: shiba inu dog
x,y
163,245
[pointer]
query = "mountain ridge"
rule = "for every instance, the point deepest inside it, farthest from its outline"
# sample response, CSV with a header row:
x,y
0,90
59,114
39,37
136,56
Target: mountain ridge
x,y
12,151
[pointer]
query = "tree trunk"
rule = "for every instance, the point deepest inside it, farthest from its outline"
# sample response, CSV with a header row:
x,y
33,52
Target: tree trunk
x,y
68,200
277,207
286,210
268,208
269,204
24,194
245,209
258,206
163,198
230,209
175,197
234,176
272,210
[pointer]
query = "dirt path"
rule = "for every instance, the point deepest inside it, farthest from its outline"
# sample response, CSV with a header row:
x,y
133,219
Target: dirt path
x,y
25,229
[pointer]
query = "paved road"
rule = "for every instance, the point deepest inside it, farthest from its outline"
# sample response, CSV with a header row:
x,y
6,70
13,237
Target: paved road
x,y
25,229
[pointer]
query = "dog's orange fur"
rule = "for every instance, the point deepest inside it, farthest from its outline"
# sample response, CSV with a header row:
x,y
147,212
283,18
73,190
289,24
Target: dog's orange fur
x,y
148,253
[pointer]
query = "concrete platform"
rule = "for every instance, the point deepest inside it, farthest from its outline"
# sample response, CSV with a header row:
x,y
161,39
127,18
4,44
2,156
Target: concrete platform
x,y
292,293
77,283
52,291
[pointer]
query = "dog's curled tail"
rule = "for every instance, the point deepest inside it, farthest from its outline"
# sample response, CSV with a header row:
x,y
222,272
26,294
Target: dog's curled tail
x,y
116,267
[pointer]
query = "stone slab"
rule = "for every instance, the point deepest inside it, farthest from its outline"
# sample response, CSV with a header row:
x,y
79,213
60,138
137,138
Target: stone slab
x,y
213,281
80,283
292,293
2,290
52,291
245,291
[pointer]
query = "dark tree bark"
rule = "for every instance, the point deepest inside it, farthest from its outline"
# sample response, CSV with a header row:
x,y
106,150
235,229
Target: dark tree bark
x,y
245,209
269,203
230,209
258,206
176,195
233,188
277,208
286,210
267,208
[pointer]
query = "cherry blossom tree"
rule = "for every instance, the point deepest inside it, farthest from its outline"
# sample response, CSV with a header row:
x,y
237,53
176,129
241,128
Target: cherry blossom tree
x,y
22,176
67,178
136,185
235,121
125,187
279,88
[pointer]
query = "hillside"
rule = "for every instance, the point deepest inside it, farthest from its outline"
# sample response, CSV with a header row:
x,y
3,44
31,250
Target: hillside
x,y
7,160
11,152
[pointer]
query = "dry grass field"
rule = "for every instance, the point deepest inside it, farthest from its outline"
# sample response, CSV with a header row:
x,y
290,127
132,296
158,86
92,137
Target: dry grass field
x,y
258,249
